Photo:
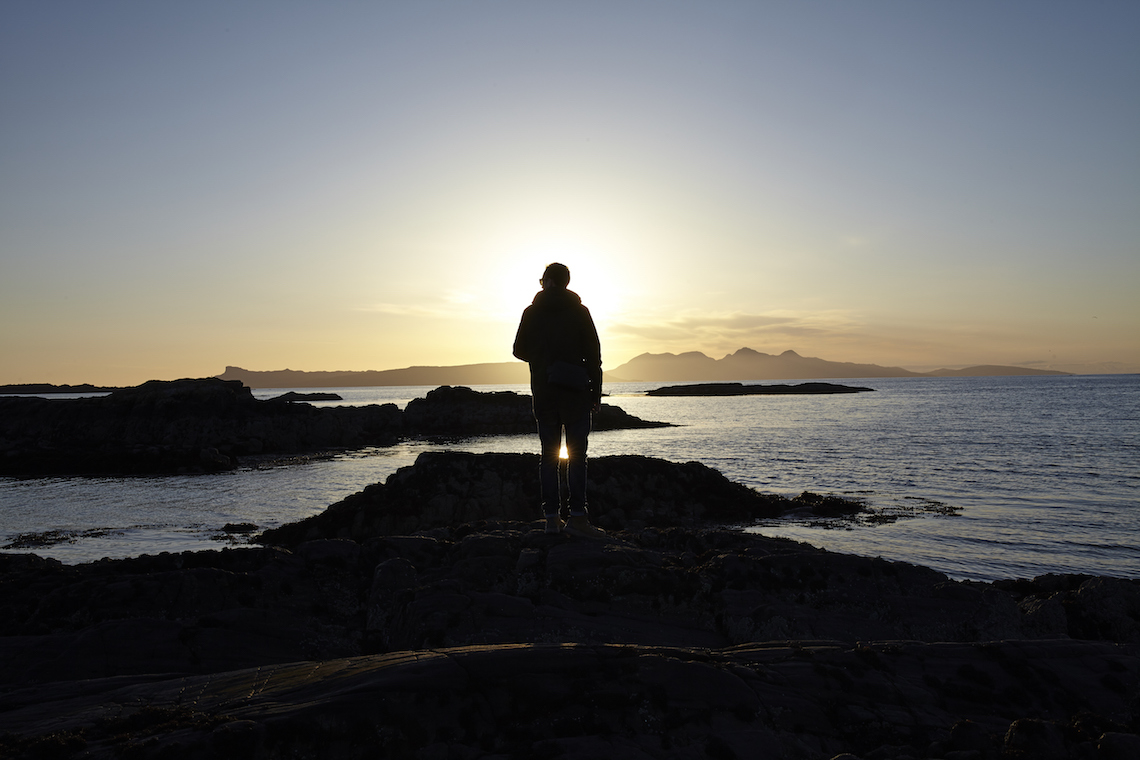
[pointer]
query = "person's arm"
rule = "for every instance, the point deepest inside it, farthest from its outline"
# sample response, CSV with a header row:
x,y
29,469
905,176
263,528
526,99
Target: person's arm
x,y
593,356
524,344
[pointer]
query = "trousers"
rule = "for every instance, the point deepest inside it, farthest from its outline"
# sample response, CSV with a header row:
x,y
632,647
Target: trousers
x,y
556,411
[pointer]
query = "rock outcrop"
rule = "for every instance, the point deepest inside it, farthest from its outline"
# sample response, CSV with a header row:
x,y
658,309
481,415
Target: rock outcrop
x,y
469,632
813,699
177,426
447,488
187,426
459,411
306,397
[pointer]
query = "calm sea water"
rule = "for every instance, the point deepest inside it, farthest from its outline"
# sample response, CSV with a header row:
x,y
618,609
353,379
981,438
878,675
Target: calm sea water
x,y
980,478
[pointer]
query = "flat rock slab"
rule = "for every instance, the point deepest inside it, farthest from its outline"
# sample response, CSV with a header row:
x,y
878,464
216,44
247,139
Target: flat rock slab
x,y
777,699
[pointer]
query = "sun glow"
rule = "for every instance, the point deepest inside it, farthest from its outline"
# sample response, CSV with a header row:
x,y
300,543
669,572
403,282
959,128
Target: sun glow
x,y
597,274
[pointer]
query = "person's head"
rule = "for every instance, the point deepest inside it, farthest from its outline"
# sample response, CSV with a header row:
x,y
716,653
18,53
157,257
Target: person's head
x,y
556,277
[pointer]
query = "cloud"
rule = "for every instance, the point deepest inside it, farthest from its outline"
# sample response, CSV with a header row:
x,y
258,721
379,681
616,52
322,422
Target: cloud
x,y
404,310
734,321
461,298
449,305
732,328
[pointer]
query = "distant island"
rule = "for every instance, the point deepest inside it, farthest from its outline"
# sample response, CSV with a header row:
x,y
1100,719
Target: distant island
x,y
45,388
740,389
501,373
747,364
744,365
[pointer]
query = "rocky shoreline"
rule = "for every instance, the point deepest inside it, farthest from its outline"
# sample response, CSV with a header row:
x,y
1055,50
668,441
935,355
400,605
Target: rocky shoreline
x,y
431,617
208,425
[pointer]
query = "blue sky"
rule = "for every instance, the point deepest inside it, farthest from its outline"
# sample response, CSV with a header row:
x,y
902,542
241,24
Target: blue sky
x,y
355,185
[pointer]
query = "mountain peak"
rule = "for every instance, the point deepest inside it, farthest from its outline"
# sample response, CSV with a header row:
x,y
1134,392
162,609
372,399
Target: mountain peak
x,y
746,364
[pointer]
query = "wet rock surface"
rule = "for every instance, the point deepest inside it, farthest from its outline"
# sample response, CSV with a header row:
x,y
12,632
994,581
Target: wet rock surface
x,y
208,425
465,634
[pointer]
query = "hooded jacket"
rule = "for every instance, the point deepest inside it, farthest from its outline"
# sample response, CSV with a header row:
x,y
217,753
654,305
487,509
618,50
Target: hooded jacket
x,y
556,326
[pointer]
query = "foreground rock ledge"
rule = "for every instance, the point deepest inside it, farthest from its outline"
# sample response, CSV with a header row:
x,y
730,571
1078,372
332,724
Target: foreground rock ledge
x,y
780,699
380,629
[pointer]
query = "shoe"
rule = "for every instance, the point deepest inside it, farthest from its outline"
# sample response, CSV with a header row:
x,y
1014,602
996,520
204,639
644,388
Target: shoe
x,y
554,524
579,525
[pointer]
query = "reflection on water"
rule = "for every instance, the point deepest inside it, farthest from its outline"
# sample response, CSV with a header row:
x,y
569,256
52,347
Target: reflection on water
x,y
1002,476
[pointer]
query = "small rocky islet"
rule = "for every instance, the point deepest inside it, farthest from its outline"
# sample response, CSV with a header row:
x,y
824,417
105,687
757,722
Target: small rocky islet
x,y
742,389
431,616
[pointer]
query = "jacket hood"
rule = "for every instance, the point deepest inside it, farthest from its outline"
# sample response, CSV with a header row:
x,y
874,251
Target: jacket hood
x,y
557,299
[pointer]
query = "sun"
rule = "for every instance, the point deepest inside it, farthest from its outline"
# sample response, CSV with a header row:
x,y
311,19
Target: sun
x,y
596,273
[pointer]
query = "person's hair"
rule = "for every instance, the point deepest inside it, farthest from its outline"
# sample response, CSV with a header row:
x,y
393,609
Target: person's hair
x,y
557,275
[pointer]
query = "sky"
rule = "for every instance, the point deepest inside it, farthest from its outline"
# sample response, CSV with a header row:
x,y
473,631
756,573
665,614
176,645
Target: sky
x,y
376,185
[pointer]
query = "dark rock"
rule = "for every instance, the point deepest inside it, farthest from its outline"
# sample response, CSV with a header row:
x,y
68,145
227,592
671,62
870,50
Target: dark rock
x,y
460,411
1118,746
383,630
1080,606
809,699
1037,739
448,488
827,505
244,527
330,552
294,396
194,426
182,426
968,736
1105,608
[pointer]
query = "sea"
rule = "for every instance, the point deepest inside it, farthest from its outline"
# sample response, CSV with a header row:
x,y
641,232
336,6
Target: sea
x,y
981,478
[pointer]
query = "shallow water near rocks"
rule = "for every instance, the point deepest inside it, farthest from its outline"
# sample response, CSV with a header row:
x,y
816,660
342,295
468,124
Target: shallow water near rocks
x,y
980,478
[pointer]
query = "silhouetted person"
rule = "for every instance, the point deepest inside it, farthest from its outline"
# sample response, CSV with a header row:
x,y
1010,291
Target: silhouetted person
x,y
558,339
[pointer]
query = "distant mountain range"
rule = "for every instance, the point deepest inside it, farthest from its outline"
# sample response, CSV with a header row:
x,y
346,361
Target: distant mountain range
x,y
747,364
693,366
43,388
500,373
